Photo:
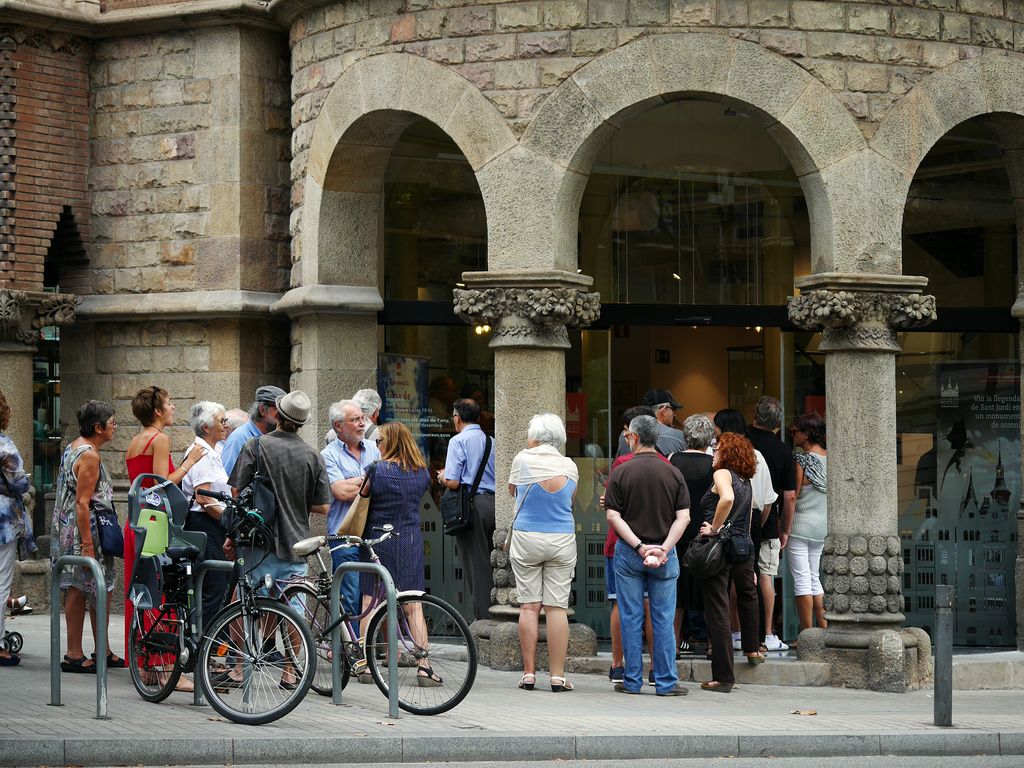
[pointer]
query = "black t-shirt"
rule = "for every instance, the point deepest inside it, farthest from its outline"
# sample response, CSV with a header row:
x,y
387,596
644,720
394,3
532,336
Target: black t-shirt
x,y
782,469
647,491
698,474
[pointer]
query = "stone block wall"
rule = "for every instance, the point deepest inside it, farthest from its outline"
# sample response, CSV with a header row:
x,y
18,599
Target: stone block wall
x,y
516,53
190,162
44,152
222,360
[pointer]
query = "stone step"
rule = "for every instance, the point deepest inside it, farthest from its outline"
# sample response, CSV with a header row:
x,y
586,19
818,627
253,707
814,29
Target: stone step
x,y
781,670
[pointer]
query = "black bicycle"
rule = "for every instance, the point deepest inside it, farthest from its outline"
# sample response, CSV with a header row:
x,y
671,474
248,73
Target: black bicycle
x,y
437,656
255,659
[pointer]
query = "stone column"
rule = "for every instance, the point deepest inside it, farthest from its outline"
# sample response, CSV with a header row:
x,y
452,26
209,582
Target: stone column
x,y
862,565
529,312
334,345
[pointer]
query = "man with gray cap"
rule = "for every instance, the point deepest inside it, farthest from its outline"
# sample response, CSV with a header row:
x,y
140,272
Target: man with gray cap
x,y
670,439
262,419
299,480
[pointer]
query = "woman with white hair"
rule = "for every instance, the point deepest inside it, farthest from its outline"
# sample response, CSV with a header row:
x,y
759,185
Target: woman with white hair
x,y
543,547
210,424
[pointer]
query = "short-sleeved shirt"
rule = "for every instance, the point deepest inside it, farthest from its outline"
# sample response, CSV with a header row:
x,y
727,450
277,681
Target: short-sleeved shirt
x,y
670,440
761,485
465,452
646,491
298,478
698,474
233,445
341,464
782,469
611,537
208,469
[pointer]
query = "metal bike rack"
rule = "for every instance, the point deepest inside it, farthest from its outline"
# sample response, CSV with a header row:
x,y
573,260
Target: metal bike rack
x,y
101,631
389,584
201,570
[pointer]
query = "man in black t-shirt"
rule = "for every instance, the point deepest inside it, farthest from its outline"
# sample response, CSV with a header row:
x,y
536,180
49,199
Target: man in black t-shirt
x,y
648,505
782,468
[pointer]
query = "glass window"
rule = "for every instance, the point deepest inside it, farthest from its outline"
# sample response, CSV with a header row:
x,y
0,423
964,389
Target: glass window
x,y
694,203
958,432
959,222
434,223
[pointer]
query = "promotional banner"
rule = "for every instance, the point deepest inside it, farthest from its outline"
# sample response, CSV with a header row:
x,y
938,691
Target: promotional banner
x,y
977,483
402,382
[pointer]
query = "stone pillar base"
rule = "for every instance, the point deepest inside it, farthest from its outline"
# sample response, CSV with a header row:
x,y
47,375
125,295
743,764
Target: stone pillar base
x,y
497,642
893,660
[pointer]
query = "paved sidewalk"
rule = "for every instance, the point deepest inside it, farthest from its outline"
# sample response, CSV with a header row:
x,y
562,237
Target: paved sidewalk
x,y
496,722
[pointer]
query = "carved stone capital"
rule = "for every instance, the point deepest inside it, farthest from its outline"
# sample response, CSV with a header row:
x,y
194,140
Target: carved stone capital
x,y
528,316
24,313
861,312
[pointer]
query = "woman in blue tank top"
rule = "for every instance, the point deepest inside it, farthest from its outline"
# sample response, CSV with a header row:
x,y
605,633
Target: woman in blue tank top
x,y
543,547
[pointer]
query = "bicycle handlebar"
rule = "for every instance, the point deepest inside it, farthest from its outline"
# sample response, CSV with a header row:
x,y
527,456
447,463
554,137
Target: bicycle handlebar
x,y
355,541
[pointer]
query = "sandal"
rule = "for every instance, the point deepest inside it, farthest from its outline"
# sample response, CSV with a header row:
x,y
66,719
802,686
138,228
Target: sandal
x,y
528,682
77,666
714,685
561,685
754,659
425,678
113,662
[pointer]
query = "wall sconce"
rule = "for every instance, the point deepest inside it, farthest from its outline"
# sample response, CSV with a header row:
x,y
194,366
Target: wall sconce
x,y
480,330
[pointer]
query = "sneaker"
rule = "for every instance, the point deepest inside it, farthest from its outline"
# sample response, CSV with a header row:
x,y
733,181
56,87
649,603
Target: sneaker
x,y
773,643
737,643
616,674
621,688
650,678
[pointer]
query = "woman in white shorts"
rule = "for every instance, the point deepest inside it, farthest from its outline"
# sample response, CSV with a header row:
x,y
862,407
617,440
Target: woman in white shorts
x,y
803,534
543,547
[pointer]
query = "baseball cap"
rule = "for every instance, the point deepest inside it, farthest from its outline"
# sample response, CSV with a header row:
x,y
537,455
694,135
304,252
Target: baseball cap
x,y
655,397
269,394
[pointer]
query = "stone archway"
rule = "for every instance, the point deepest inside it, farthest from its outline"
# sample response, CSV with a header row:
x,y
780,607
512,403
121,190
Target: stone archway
x,y
991,85
334,306
814,130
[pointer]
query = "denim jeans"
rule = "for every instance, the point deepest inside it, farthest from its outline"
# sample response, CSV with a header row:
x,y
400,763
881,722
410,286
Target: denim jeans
x,y
632,579
351,601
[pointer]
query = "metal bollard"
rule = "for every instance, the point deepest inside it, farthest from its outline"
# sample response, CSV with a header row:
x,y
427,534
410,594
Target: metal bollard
x,y
101,630
943,685
201,571
389,585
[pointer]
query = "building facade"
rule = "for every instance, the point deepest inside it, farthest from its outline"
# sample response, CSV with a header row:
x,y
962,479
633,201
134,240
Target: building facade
x,y
552,205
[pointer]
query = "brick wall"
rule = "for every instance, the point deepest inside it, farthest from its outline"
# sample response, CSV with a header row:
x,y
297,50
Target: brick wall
x,y
48,77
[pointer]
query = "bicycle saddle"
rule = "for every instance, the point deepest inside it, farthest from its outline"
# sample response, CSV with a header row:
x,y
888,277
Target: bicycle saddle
x,y
183,552
308,546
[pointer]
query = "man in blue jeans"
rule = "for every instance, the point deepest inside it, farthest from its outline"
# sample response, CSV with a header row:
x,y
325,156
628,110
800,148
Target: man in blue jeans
x,y
649,506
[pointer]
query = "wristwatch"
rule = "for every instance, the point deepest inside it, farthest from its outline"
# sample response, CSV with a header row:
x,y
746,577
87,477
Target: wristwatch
x,y
638,545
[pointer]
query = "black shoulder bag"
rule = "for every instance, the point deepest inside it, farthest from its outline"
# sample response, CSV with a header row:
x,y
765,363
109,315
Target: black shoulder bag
x,y
458,507
264,501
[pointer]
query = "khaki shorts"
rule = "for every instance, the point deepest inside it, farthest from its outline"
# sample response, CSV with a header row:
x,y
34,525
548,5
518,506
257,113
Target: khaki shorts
x,y
543,564
768,557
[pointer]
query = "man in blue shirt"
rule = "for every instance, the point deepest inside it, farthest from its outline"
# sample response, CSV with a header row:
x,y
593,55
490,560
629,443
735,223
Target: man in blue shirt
x,y
346,460
262,420
465,452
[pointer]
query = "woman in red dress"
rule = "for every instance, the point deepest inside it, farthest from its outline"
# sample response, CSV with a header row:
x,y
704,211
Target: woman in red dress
x,y
149,452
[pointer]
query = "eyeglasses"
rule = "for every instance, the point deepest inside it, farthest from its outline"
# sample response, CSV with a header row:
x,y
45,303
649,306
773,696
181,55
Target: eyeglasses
x,y
224,421
356,420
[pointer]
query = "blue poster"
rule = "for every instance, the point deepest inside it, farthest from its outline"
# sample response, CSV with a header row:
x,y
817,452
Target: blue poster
x,y
402,382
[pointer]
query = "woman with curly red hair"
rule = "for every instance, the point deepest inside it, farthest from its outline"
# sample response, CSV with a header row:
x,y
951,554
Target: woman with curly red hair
x,y
729,500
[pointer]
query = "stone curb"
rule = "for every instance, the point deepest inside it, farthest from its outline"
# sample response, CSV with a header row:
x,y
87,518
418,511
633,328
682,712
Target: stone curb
x,y
508,746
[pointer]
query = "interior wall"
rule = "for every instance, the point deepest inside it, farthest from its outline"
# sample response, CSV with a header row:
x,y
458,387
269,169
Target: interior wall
x,y
697,372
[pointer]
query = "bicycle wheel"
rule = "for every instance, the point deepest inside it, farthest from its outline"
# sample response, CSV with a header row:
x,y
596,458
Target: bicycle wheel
x,y
270,662
316,612
430,634
154,648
